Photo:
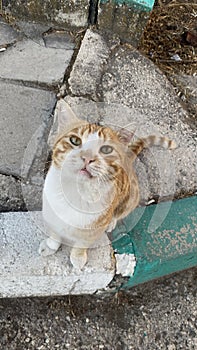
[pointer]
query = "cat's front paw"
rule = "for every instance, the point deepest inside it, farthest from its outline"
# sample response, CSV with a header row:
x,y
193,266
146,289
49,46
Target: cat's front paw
x,y
45,250
78,258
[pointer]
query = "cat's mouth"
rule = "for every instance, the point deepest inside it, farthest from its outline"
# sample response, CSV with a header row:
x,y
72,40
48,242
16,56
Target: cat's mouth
x,y
85,172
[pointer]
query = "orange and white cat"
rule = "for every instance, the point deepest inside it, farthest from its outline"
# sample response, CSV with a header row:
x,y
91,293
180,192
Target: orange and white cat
x,y
91,183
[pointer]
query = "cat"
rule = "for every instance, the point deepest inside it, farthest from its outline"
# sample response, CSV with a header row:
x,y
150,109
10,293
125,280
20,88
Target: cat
x,y
91,183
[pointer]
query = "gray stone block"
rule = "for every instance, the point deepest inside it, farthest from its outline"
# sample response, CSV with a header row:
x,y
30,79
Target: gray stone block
x,y
33,30
59,39
134,81
8,35
24,273
87,69
135,92
25,113
125,19
69,14
34,63
45,35
24,124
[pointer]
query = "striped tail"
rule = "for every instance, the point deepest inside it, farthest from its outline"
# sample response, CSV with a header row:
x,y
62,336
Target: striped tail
x,y
152,140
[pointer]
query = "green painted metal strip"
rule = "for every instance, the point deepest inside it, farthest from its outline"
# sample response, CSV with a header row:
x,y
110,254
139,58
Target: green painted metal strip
x,y
162,237
143,5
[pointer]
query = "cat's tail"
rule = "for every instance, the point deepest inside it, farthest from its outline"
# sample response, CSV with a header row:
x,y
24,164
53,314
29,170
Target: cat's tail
x,y
152,140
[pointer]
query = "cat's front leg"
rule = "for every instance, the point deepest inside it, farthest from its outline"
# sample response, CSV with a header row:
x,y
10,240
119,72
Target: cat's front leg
x,y
49,247
78,257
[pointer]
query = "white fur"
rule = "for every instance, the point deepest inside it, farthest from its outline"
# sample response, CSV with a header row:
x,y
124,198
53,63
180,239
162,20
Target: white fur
x,y
73,201
70,203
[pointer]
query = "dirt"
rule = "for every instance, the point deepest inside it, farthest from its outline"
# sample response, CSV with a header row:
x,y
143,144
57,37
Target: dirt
x,y
159,315
170,38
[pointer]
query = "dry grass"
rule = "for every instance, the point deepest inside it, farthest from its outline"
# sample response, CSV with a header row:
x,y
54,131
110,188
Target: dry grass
x,y
165,34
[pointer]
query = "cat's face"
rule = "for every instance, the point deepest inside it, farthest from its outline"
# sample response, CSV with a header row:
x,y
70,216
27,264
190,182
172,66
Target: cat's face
x,y
89,152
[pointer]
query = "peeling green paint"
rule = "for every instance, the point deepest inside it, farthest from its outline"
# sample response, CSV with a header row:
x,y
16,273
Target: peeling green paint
x,y
171,247
145,5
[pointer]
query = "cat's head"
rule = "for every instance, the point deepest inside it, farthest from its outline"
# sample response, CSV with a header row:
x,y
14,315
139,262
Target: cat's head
x,y
88,151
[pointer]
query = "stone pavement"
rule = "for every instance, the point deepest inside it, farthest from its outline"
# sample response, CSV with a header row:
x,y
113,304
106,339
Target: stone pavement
x,y
32,68
105,81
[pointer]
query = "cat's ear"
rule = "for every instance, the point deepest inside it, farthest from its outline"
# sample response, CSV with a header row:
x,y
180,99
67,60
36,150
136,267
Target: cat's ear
x,y
125,136
64,115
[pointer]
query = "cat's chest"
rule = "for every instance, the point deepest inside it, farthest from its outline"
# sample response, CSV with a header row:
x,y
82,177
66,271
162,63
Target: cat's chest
x,y
73,203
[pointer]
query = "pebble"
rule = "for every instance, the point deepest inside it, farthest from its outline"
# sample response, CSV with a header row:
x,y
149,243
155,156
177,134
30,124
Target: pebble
x,y
171,347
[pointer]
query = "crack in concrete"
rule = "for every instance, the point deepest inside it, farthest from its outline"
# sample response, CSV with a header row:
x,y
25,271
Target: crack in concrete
x,y
73,286
11,173
31,84
5,241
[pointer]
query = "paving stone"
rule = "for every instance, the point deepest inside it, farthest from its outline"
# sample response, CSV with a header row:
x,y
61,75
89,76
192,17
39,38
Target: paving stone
x,y
33,30
8,35
24,111
45,35
25,121
59,39
34,63
24,273
135,92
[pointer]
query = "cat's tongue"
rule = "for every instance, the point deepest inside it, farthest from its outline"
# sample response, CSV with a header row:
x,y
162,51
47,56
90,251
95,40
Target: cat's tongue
x,y
85,172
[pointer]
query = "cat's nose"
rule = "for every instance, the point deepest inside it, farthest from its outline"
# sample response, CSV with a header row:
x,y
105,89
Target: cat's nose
x,y
87,160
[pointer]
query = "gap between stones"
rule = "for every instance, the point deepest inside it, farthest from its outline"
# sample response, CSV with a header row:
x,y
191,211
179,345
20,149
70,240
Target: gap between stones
x,y
93,12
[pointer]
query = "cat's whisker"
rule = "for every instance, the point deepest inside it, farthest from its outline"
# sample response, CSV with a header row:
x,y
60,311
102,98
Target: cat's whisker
x,y
104,178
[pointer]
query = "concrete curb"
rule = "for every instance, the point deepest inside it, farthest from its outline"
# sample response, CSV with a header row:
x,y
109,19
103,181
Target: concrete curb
x,y
24,273
148,244
125,18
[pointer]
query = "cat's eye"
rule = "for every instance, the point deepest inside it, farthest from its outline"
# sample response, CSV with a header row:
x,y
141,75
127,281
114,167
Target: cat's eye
x,y
106,149
76,141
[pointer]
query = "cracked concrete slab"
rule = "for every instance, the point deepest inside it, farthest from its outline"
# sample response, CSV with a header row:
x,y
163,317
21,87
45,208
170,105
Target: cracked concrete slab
x,y
45,35
8,35
33,30
133,91
27,111
24,273
26,115
24,111
59,39
87,69
34,63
